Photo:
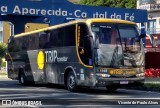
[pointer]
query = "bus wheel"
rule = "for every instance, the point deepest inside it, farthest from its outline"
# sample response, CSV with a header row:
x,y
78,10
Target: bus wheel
x,y
21,78
71,82
111,88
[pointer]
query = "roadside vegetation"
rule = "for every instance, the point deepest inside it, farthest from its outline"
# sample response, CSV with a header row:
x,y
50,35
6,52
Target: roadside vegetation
x,y
108,3
157,85
2,55
2,52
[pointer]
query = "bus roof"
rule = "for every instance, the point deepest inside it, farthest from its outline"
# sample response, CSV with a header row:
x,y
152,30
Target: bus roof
x,y
88,21
108,20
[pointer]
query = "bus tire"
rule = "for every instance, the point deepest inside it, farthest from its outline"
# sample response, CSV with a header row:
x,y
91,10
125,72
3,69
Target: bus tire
x,y
22,78
111,88
71,82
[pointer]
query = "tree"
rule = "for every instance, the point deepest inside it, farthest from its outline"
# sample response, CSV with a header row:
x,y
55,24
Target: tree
x,y
2,51
74,1
111,3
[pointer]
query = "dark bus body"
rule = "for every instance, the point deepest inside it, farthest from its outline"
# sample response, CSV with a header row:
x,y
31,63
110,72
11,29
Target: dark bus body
x,y
89,52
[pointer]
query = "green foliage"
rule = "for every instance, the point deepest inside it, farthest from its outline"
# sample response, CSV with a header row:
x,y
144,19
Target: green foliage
x,y
2,50
74,1
3,64
111,3
152,85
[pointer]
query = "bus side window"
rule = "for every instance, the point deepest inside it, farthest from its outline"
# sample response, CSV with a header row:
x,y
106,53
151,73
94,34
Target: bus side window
x,y
43,40
69,36
60,37
25,43
33,44
85,44
12,44
53,38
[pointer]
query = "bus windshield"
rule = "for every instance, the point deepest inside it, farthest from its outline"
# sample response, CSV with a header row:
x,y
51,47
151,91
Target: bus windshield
x,y
129,38
116,43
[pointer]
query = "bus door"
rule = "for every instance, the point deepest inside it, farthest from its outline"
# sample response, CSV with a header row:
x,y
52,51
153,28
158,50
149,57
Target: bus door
x,y
85,45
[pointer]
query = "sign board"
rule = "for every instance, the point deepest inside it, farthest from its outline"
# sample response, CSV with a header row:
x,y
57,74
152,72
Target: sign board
x,y
56,11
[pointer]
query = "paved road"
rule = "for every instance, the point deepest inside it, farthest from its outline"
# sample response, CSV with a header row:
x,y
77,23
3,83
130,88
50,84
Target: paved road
x,y
58,96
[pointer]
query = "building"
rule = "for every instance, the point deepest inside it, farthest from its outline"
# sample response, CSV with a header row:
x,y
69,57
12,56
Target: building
x,y
153,25
1,31
5,29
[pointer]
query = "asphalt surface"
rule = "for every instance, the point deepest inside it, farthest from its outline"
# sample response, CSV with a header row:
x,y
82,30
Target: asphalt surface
x,y
12,94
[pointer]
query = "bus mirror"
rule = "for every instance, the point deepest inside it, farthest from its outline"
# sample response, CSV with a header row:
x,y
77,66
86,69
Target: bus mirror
x,y
96,41
142,36
90,36
153,42
96,44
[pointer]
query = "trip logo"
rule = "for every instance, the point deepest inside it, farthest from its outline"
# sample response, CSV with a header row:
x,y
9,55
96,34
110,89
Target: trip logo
x,y
49,57
52,57
40,60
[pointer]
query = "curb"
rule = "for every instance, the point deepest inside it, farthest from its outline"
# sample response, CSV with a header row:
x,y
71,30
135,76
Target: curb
x,y
152,80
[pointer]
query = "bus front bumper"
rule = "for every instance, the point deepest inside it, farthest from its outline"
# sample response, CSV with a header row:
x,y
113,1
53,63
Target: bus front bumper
x,y
101,82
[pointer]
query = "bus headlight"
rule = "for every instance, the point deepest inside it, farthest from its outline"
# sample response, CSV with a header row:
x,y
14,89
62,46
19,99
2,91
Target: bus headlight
x,y
140,75
103,75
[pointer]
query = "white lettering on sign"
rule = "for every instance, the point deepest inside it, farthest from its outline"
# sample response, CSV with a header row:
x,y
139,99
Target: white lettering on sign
x,y
62,12
129,17
80,14
100,15
4,9
17,10
115,16
59,12
52,56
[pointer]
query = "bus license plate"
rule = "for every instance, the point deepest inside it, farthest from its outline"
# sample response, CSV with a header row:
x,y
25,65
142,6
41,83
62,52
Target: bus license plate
x,y
123,82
